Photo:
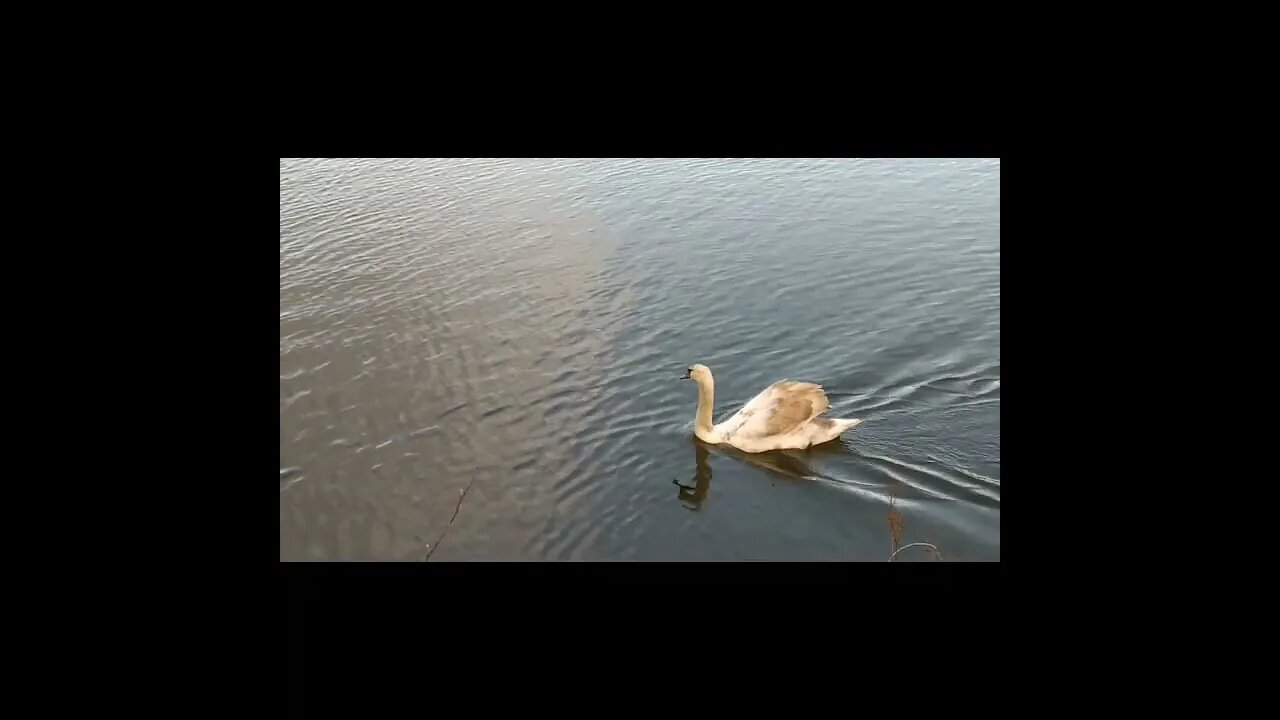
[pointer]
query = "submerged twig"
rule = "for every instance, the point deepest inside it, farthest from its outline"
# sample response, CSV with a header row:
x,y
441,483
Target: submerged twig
x,y
895,521
896,524
456,508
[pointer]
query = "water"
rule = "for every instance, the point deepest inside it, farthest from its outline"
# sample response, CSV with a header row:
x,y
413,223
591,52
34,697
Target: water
x,y
517,328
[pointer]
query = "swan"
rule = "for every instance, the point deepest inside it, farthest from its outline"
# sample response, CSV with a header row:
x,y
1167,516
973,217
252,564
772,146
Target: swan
x,y
784,416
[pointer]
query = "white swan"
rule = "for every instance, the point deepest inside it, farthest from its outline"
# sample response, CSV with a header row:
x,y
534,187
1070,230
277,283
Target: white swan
x,y
784,416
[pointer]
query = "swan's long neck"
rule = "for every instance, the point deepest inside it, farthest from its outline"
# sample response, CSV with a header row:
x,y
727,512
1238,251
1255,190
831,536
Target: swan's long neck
x,y
706,399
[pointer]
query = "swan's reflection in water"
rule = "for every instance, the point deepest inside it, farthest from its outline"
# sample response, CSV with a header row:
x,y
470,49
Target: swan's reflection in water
x,y
691,496
790,464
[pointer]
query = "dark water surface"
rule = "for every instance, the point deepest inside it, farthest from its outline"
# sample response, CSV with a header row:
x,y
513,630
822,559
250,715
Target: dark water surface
x,y
520,325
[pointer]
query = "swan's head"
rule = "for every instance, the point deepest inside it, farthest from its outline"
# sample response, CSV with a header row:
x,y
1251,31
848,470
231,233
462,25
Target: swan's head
x,y
697,372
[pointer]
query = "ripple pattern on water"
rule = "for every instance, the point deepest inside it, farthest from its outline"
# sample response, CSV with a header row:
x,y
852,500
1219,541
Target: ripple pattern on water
x,y
519,326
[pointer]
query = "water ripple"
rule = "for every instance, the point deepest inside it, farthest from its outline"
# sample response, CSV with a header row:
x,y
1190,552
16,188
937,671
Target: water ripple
x,y
520,325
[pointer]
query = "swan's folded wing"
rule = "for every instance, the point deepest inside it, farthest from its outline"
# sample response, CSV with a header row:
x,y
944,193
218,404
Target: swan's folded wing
x,y
779,409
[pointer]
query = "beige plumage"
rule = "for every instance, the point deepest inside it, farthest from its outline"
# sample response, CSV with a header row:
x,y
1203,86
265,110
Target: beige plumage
x,y
783,416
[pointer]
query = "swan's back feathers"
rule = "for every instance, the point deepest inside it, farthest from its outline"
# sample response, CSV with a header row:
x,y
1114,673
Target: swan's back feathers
x,y
779,409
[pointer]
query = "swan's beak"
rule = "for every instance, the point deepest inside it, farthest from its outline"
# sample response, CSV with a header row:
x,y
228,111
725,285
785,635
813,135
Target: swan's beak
x,y
685,376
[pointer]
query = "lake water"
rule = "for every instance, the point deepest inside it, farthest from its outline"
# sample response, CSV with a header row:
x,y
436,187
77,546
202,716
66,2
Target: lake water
x,y
517,329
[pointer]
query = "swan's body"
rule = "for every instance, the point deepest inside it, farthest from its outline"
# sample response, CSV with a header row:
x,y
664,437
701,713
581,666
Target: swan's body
x,y
784,416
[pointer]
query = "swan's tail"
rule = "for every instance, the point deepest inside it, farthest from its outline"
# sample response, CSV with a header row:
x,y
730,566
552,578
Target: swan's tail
x,y
845,424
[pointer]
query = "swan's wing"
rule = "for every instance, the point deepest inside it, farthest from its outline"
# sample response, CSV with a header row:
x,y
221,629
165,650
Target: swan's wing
x,y
780,408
